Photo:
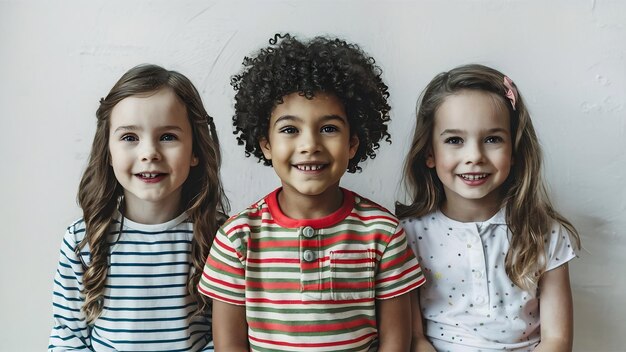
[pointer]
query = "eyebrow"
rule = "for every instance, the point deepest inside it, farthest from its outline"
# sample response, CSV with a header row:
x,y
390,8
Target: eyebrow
x,y
130,128
324,118
457,131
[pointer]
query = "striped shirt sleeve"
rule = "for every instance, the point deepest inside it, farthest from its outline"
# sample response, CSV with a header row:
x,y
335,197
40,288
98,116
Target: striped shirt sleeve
x,y
224,273
399,271
70,330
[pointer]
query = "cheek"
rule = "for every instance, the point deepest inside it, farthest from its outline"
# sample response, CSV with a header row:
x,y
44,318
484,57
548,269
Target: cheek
x,y
114,156
110,152
120,158
118,165
505,164
509,163
193,159
280,150
440,159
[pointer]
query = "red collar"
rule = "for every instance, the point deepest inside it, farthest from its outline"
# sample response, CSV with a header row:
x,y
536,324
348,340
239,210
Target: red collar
x,y
327,221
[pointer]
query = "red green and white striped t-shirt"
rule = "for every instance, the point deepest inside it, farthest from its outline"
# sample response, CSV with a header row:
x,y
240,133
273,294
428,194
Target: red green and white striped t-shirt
x,y
311,284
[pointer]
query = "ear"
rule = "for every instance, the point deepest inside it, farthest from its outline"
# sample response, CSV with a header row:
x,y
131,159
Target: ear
x,y
354,145
266,148
194,160
430,160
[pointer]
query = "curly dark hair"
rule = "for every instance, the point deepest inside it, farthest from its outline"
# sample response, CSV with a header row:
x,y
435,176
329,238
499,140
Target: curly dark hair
x,y
323,64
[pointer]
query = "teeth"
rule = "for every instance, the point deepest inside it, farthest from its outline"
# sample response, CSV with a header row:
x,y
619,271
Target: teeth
x,y
148,175
309,167
473,177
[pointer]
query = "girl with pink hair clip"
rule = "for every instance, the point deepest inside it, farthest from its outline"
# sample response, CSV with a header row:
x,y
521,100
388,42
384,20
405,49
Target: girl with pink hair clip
x,y
492,247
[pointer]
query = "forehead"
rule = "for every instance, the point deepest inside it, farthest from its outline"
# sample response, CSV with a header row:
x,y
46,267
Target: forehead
x,y
160,106
298,106
472,110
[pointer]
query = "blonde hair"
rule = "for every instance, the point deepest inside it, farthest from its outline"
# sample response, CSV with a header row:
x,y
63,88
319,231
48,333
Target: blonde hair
x,y
100,194
529,212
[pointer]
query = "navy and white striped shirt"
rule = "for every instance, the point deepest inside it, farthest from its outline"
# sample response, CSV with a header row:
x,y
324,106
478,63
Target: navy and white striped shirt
x,y
146,303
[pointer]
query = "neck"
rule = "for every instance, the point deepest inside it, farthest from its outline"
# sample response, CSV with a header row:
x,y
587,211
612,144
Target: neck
x,y
470,210
299,206
150,212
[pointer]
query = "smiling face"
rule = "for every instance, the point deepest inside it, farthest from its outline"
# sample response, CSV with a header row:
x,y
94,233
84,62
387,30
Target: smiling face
x,y
150,142
471,149
309,144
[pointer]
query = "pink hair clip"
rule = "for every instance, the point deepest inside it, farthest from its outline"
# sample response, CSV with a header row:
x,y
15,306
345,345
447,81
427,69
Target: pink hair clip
x,y
511,92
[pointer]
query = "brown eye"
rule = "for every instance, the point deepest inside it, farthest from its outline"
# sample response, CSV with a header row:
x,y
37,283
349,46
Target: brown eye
x,y
288,130
329,129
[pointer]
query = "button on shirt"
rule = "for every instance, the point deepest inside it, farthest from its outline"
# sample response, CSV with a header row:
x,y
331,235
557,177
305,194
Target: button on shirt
x,y
468,301
311,284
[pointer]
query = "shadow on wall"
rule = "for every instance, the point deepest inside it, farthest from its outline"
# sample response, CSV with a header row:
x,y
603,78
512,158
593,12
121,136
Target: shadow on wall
x,y
596,273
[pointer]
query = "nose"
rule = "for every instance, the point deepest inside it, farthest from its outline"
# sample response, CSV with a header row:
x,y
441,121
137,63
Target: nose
x,y
149,151
309,142
474,153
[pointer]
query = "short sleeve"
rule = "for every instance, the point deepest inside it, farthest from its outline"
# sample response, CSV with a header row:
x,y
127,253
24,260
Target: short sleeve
x,y
560,248
224,273
399,272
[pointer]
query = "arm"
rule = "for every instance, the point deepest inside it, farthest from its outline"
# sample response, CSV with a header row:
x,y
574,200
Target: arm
x,y
394,314
230,329
394,323
70,330
419,343
223,280
555,305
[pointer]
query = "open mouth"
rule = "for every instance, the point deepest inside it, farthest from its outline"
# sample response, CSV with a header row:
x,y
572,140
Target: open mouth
x,y
148,175
310,167
473,177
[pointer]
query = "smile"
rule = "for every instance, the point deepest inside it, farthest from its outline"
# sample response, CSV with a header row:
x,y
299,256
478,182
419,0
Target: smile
x,y
309,167
148,175
473,177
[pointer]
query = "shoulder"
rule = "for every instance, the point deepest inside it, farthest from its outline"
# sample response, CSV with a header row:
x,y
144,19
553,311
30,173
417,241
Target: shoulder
x,y
75,232
558,230
77,226
364,202
424,220
560,247
250,215
368,211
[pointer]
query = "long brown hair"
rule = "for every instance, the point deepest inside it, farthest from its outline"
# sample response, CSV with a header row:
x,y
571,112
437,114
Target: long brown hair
x,y
529,211
100,193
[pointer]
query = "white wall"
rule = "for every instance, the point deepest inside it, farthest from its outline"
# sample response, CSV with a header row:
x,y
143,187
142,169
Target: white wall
x,y
59,57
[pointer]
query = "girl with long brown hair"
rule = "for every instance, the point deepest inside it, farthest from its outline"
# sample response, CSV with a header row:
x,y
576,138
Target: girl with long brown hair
x,y
491,245
152,200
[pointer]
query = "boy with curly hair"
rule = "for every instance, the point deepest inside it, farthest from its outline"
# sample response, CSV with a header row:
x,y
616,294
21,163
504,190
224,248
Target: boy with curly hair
x,y
311,266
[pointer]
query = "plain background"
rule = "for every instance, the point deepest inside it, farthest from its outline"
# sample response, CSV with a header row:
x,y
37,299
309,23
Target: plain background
x,y
59,57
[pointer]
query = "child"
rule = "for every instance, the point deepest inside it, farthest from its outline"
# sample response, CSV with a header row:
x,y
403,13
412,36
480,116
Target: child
x,y
151,198
493,248
311,266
